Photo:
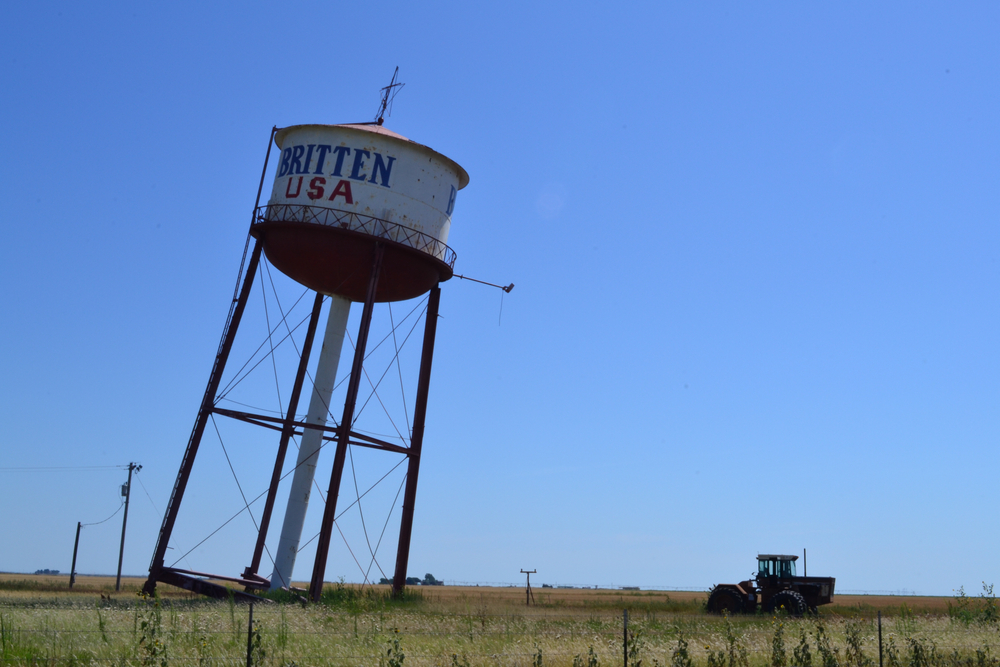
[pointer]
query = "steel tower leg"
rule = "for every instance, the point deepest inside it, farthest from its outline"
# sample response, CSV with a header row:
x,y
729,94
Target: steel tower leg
x,y
286,434
207,404
416,441
208,400
344,431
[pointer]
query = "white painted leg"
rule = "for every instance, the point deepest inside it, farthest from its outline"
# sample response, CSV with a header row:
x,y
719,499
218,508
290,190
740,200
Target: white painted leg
x,y
305,470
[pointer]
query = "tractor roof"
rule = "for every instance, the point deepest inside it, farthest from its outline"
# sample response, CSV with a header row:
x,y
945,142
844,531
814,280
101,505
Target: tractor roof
x,y
774,557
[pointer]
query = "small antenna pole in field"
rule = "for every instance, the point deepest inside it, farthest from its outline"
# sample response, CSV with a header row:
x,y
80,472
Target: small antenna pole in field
x,y
529,597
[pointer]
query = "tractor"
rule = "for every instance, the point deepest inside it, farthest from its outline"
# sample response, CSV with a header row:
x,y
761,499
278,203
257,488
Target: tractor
x,y
774,587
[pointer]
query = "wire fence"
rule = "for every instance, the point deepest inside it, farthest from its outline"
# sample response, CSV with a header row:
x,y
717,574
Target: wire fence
x,y
155,633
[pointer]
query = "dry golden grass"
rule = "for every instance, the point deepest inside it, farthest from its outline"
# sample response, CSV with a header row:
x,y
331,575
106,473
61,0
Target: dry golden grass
x,y
568,599
577,598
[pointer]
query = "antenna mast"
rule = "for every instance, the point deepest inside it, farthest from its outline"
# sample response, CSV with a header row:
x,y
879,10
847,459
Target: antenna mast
x,y
388,95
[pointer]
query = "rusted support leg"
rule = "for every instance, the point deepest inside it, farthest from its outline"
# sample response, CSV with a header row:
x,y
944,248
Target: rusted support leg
x,y
207,403
208,400
416,441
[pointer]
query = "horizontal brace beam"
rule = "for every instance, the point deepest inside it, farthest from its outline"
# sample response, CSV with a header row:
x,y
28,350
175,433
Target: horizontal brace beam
x,y
276,424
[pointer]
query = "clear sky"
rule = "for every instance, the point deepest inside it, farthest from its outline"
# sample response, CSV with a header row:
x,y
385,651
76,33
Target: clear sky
x,y
755,253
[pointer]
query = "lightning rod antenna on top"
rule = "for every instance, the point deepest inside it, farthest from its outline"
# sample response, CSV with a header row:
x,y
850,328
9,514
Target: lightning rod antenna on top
x,y
388,95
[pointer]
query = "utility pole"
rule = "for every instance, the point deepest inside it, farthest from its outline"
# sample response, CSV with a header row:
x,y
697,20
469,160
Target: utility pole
x,y
126,491
76,545
529,597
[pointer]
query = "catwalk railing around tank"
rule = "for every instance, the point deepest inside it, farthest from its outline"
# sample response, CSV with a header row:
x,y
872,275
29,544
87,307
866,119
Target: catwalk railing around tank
x,y
356,222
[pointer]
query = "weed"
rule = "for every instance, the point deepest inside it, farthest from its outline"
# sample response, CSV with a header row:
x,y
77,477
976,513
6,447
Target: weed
x,y
232,617
779,658
854,652
152,650
681,657
920,655
394,655
282,637
536,659
464,662
905,623
635,646
983,658
961,610
204,651
102,626
482,612
829,656
988,612
257,652
891,653
735,646
801,654
717,658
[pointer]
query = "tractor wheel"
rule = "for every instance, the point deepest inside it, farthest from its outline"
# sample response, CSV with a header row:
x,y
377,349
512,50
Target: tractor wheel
x,y
792,602
724,600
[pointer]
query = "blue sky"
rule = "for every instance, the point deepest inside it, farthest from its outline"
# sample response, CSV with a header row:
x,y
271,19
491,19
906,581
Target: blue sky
x,y
754,247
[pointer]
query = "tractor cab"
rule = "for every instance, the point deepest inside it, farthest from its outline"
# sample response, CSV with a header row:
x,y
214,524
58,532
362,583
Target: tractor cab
x,y
782,567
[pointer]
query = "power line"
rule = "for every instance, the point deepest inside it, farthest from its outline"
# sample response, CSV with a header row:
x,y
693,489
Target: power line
x,y
97,523
61,468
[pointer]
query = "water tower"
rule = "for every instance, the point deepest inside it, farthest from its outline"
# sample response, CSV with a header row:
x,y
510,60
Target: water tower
x,y
358,214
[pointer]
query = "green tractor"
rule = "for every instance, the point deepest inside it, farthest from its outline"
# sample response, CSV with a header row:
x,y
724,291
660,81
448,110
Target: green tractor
x,y
774,587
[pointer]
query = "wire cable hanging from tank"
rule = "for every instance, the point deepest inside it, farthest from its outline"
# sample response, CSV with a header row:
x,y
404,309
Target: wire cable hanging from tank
x,y
240,375
399,369
346,509
232,470
240,487
374,386
361,512
238,378
270,339
384,526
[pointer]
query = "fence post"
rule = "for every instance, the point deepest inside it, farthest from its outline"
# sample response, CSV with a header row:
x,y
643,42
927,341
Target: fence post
x,y
880,638
625,635
250,638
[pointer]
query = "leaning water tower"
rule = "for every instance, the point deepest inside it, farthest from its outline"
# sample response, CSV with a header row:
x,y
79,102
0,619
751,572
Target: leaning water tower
x,y
357,213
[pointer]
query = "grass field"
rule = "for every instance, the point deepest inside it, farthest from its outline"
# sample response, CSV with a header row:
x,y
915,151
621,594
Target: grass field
x,y
42,622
